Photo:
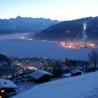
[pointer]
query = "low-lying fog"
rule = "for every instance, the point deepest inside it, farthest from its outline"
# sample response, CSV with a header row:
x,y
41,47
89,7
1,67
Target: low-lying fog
x,y
21,46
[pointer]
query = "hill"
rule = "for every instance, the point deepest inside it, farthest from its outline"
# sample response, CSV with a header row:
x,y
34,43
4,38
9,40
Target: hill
x,y
24,24
71,29
84,86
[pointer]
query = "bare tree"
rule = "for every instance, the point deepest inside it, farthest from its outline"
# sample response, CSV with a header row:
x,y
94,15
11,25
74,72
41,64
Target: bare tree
x,y
93,58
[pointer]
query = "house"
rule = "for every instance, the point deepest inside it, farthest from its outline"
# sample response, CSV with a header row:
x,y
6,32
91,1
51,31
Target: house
x,y
37,76
76,72
7,88
22,77
40,76
91,68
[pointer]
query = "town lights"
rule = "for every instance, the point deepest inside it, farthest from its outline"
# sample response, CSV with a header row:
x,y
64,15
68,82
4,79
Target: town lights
x,y
79,44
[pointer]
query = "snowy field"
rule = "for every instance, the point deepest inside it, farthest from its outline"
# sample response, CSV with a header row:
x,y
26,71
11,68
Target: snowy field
x,y
84,86
24,86
20,45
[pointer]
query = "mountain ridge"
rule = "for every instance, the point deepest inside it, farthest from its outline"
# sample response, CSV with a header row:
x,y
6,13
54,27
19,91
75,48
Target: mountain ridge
x,y
71,29
24,24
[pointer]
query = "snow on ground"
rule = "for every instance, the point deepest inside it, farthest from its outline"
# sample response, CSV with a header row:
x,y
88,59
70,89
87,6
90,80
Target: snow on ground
x,y
24,86
84,86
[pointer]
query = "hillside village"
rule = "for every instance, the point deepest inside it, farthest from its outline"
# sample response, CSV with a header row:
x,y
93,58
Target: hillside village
x,y
21,74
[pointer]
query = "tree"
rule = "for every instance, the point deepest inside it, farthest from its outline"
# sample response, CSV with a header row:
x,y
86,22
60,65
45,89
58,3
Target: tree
x,y
57,69
93,58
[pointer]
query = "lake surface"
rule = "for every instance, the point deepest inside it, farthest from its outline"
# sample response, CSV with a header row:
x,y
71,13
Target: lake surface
x,y
37,48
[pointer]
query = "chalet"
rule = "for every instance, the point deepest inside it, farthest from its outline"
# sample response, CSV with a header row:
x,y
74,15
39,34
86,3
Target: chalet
x,y
22,77
35,76
91,68
40,76
7,88
76,72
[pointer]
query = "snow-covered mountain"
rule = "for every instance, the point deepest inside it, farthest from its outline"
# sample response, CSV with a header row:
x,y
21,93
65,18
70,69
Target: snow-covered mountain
x,y
84,86
24,24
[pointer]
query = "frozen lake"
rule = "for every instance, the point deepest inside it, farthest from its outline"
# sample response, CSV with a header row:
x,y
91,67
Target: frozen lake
x,y
37,48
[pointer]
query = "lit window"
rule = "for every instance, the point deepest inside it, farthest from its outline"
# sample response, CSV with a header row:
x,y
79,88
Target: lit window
x,y
2,91
0,96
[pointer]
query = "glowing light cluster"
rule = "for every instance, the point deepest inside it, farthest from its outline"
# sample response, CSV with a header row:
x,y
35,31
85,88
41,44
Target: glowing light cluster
x,y
25,66
32,68
79,44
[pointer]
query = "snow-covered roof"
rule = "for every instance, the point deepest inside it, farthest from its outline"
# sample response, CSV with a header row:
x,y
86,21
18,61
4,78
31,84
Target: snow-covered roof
x,y
67,75
4,83
83,86
76,70
39,73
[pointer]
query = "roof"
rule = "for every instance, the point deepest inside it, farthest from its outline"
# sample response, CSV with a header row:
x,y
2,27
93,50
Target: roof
x,y
76,70
39,73
4,83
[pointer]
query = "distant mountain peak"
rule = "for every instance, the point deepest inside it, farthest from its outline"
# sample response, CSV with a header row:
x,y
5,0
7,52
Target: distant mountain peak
x,y
24,24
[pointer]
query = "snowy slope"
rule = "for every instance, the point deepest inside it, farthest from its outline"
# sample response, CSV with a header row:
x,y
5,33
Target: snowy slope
x,y
84,86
